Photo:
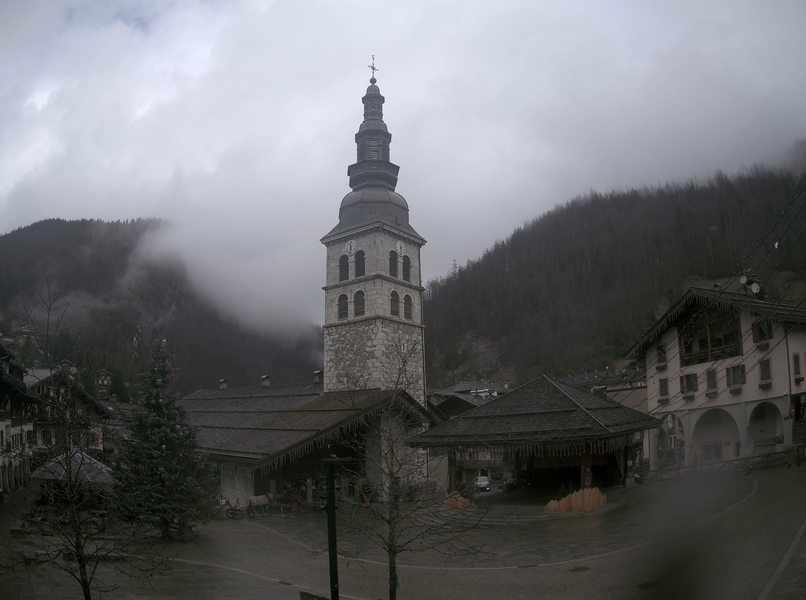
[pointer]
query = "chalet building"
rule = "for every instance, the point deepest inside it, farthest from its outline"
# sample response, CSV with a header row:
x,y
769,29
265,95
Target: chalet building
x,y
16,428
725,374
63,406
542,430
450,402
267,437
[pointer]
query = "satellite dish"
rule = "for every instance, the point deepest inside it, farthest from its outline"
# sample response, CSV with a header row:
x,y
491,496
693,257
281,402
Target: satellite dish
x,y
755,288
743,279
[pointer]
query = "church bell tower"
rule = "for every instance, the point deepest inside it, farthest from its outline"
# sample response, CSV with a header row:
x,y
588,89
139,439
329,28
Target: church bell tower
x,y
373,290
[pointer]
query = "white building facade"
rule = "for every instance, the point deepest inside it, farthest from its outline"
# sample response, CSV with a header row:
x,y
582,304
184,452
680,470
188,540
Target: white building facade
x,y
724,371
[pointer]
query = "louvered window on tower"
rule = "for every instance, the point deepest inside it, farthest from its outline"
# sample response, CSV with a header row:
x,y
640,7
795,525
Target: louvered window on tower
x,y
342,304
406,268
393,263
344,268
358,304
395,304
360,264
407,304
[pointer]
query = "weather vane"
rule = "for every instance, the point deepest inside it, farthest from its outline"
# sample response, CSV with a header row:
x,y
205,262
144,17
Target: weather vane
x,y
372,67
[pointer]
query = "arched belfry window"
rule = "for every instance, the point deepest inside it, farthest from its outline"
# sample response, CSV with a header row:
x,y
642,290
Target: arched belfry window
x,y
358,304
393,263
360,264
407,307
344,268
395,304
406,268
342,303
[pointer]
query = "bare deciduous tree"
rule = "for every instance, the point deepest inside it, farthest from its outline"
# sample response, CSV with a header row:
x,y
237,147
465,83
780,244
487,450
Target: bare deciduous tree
x,y
69,525
401,507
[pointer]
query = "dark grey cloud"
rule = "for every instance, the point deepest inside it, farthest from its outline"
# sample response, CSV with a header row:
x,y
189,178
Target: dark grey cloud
x,y
235,120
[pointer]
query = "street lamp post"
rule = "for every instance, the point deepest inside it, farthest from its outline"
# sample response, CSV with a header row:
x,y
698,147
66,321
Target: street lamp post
x,y
331,461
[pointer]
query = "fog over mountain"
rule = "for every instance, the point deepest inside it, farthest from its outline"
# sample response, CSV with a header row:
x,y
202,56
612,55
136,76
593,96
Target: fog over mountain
x,y
235,120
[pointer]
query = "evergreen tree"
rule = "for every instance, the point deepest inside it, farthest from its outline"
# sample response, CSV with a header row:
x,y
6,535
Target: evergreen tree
x,y
160,477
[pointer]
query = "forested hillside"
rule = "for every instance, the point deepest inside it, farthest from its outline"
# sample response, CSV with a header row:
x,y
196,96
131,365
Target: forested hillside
x,y
569,291
573,289
118,302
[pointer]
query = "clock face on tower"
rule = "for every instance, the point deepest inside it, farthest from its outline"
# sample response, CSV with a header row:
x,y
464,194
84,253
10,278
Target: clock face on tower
x,y
350,247
400,248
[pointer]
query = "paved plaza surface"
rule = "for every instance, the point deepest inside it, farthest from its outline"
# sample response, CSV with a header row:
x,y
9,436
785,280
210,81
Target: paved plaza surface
x,y
705,536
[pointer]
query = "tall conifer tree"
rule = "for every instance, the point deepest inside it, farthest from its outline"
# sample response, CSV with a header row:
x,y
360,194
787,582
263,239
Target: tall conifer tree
x,y
161,478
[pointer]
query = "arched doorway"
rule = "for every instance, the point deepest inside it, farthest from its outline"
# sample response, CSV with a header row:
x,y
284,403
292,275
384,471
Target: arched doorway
x,y
765,428
715,437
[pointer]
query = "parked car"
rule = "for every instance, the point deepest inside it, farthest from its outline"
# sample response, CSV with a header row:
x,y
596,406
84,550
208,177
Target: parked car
x,y
481,484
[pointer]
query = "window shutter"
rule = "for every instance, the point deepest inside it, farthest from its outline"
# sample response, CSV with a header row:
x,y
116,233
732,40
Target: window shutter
x,y
744,375
682,384
696,383
712,380
755,333
728,378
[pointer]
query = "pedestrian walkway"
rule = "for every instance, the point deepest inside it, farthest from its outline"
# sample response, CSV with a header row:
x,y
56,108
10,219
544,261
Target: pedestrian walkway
x,y
697,535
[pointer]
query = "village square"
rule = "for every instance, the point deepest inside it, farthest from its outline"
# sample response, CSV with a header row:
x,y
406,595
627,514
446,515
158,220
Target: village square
x,y
677,477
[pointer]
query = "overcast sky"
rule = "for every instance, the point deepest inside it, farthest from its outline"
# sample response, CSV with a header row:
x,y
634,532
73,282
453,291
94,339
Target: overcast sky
x,y
235,119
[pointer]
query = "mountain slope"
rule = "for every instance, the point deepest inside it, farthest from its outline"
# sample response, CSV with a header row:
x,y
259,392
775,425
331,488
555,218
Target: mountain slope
x,y
118,302
573,289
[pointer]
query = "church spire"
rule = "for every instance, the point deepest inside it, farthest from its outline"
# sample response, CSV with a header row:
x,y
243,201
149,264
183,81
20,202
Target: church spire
x,y
373,167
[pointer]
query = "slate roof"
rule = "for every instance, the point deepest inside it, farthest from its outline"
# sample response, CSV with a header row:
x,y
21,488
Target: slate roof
x,y
778,311
261,427
542,417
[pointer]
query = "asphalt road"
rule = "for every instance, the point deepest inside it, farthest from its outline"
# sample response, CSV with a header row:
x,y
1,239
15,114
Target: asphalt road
x,y
708,536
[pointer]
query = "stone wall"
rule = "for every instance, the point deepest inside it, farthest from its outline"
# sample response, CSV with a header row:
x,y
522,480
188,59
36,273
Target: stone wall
x,y
375,353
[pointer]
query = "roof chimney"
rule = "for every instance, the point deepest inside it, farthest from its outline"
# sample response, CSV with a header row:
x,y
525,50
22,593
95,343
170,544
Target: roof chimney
x,y
222,384
317,376
265,381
